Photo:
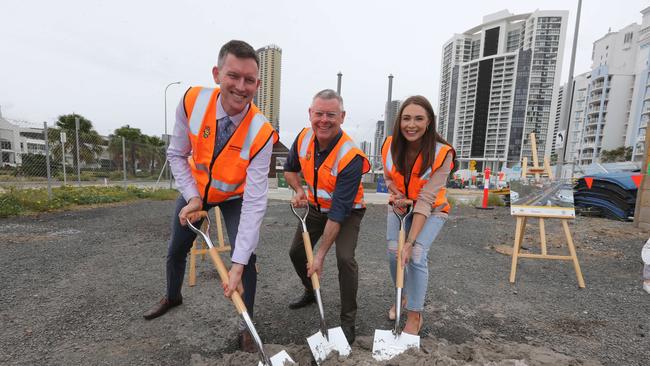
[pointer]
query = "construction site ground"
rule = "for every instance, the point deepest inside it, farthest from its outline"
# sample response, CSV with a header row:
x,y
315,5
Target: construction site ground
x,y
74,286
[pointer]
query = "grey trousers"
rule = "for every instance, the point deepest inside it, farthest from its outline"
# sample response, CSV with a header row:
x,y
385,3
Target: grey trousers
x,y
346,244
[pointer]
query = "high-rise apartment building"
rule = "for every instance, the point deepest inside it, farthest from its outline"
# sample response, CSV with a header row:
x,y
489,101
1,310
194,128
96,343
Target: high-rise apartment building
x,y
365,146
393,109
379,141
499,82
556,120
268,95
640,106
577,118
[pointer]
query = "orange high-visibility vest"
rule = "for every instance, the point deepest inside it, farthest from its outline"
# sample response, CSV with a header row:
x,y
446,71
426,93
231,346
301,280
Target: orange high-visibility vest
x,y
223,177
321,188
417,181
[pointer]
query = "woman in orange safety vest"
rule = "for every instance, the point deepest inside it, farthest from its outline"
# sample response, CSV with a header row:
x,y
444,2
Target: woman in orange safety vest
x,y
417,162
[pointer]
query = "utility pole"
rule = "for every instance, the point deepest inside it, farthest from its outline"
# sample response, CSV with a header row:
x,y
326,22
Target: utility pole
x,y
565,123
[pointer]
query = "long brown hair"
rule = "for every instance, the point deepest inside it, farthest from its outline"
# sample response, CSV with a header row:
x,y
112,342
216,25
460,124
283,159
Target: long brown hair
x,y
429,139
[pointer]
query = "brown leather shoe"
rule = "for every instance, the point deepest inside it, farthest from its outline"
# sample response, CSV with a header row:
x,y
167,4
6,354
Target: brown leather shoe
x,y
246,342
162,307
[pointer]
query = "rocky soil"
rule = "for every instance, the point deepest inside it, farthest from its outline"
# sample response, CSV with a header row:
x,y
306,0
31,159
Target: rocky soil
x,y
74,285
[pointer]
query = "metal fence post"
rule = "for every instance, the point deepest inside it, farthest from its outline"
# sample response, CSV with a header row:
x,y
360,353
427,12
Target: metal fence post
x,y
63,139
124,159
76,132
47,162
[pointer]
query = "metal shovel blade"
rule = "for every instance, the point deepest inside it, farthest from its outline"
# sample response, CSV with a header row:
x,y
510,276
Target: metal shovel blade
x,y
282,358
387,345
320,347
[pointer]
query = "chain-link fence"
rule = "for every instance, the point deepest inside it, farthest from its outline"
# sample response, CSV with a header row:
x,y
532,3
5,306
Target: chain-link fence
x,y
56,156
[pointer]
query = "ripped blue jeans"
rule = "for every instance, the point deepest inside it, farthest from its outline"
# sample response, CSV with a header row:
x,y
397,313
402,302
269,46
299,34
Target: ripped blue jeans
x,y
416,272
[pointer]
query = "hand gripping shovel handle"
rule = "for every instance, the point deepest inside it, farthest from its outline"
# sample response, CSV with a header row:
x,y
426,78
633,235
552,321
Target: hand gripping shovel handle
x,y
223,274
399,281
306,240
216,259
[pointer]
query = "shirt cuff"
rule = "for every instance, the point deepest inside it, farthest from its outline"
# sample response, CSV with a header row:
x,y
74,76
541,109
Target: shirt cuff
x,y
240,257
336,218
190,192
422,207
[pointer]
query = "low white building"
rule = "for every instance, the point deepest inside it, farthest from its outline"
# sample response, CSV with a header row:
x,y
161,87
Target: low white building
x,y
17,138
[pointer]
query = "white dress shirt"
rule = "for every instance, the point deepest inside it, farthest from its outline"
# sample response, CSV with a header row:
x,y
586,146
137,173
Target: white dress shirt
x,y
256,186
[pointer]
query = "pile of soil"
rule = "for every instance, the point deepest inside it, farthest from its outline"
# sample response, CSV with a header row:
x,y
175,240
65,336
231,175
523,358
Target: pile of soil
x,y
433,351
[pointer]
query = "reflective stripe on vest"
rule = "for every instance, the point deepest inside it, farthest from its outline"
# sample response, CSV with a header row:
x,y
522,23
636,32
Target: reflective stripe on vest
x,y
305,143
224,187
200,107
255,127
389,161
354,206
347,146
427,173
321,193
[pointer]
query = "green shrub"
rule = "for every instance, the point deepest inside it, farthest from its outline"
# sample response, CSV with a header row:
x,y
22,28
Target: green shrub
x,y
17,201
494,200
9,205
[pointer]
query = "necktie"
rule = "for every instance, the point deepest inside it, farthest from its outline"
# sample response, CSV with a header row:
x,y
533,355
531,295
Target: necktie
x,y
224,131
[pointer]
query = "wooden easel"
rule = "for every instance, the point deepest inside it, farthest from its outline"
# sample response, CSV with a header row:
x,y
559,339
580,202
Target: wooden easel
x,y
522,218
203,250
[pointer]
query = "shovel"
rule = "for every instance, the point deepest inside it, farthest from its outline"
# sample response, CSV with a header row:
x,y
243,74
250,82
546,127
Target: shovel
x,y
280,358
326,340
390,343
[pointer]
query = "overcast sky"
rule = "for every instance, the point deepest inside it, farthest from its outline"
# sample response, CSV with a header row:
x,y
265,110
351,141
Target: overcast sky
x,y
110,60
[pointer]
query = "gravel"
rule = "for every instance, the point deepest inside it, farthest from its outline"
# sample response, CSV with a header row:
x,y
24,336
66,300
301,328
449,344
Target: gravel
x,y
74,286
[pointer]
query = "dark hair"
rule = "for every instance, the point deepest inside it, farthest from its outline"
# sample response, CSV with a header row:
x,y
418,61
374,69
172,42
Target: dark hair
x,y
429,139
239,49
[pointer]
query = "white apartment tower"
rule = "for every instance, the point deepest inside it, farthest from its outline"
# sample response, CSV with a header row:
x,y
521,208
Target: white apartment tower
x,y
609,100
268,95
559,108
609,94
577,118
640,107
499,82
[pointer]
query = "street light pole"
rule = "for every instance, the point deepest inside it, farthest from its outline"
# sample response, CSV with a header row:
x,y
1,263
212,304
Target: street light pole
x,y
166,135
566,116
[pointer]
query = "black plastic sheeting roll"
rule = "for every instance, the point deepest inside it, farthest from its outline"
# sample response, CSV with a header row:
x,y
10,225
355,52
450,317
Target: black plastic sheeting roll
x,y
611,195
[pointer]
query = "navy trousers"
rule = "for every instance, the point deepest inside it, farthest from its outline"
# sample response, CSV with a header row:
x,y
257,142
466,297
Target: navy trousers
x,y
181,243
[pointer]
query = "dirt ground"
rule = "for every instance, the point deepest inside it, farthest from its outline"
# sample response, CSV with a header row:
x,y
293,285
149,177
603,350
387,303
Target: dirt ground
x,y
74,285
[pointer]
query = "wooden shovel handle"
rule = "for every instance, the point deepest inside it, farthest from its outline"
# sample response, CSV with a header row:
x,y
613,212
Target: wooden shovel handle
x,y
306,240
223,273
399,283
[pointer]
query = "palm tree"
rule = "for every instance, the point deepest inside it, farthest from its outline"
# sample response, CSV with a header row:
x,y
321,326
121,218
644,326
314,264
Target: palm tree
x,y
90,142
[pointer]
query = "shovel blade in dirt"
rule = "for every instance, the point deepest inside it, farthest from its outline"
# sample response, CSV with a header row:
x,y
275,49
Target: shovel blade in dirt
x,y
282,358
321,347
387,345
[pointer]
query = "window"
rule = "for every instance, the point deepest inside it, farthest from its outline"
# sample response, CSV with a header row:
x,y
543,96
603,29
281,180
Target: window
x,y
5,145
